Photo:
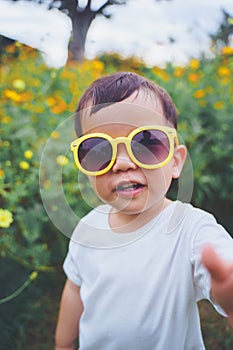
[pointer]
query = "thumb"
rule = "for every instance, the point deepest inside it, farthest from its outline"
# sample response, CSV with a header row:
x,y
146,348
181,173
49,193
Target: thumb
x,y
216,266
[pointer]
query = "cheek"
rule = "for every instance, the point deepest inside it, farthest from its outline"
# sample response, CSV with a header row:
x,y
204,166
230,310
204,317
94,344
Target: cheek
x,y
99,185
159,180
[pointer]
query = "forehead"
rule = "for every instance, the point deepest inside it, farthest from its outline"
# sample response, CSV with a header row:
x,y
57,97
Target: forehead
x,y
133,112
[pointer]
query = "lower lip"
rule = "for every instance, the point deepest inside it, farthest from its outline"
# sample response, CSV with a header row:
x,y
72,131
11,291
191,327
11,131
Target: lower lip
x,y
130,193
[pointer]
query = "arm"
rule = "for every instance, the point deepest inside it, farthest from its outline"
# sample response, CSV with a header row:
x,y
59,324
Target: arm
x,y
71,308
221,273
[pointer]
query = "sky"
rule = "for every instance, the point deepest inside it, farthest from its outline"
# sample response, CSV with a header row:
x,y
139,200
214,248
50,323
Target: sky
x,y
141,28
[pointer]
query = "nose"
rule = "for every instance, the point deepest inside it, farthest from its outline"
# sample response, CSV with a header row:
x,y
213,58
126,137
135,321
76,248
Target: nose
x,y
123,161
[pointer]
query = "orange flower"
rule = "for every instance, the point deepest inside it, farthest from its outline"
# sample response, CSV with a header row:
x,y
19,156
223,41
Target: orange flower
x,y
25,96
179,72
193,77
60,107
199,94
11,48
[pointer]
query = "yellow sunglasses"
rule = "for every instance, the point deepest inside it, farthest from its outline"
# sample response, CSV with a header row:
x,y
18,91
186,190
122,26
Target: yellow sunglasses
x,y
149,147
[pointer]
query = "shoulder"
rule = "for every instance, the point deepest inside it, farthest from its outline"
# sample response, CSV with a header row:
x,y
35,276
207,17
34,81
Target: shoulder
x,y
89,229
196,225
186,216
204,229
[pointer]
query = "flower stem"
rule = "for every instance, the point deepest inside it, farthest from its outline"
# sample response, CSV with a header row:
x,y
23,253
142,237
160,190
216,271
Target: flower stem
x,y
31,278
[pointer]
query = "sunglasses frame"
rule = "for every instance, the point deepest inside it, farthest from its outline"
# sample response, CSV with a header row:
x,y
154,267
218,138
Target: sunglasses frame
x,y
171,134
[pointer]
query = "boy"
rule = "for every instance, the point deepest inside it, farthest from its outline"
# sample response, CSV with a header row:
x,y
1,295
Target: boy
x,y
135,265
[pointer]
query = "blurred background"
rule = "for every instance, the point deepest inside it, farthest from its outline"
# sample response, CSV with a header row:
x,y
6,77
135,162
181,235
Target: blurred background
x,y
50,52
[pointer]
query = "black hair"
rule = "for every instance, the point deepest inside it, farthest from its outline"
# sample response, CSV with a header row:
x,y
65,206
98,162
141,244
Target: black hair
x,y
117,87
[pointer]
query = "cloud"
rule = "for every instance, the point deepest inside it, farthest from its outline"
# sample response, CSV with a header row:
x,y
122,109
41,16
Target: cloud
x,y
141,28
34,25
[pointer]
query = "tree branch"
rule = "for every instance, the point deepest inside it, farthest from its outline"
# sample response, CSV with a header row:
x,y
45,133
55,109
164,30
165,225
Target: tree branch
x,y
89,4
109,3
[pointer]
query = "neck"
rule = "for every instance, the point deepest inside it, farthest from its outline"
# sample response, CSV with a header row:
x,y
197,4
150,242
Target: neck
x,y
123,222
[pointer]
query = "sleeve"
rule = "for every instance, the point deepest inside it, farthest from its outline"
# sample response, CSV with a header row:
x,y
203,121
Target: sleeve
x,y
70,265
207,231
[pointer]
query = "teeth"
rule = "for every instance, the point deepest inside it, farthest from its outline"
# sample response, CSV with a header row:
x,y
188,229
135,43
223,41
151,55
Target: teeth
x,y
128,187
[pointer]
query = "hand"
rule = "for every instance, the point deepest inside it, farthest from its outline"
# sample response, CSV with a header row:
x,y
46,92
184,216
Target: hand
x,y
221,273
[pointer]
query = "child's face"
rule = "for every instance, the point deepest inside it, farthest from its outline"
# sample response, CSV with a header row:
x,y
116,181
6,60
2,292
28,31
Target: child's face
x,y
127,187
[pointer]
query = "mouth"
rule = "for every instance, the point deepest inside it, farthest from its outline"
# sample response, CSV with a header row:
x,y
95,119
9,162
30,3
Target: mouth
x,y
129,189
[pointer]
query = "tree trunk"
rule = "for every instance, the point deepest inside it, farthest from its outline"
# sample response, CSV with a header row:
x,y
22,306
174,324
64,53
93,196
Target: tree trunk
x,y
81,22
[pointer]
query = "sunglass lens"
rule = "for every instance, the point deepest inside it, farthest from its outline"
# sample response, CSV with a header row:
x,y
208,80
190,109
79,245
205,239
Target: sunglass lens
x,y
95,154
150,147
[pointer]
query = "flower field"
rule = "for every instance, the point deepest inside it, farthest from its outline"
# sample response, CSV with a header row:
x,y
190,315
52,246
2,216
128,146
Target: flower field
x,y
35,101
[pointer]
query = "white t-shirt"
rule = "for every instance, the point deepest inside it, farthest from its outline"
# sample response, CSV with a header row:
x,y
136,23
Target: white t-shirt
x,y
140,289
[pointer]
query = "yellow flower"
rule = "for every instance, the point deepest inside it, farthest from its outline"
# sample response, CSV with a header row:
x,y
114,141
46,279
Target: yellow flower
x,y
202,103
51,101
159,72
1,172
62,160
194,64
224,71
28,154
227,50
16,97
225,80
12,95
33,275
218,105
199,94
19,84
55,135
209,89
47,184
6,218
98,65
53,75
6,119
24,165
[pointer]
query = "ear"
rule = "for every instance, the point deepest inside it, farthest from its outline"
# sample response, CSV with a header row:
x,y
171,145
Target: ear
x,y
179,158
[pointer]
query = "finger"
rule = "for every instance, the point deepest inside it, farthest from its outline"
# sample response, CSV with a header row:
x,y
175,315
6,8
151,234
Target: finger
x,y
216,266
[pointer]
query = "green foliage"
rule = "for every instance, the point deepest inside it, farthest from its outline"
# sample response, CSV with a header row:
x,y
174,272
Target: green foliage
x,y
36,100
